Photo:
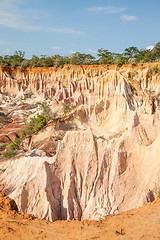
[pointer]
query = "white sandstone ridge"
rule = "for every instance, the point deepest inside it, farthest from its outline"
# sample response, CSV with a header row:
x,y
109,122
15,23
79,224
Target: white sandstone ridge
x,y
84,176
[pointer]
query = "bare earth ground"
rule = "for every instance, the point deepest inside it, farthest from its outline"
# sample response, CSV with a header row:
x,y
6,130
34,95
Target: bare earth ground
x,y
141,223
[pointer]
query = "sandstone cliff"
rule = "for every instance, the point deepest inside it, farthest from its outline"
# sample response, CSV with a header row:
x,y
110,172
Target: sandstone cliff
x,y
112,159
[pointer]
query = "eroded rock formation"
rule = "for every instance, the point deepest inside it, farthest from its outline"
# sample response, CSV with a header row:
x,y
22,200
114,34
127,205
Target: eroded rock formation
x,y
112,159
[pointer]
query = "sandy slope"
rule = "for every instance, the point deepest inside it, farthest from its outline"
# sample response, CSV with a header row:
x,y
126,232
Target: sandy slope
x,y
141,223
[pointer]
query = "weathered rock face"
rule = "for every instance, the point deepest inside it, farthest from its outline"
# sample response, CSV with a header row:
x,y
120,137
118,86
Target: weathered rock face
x,y
82,84
88,85
112,165
84,176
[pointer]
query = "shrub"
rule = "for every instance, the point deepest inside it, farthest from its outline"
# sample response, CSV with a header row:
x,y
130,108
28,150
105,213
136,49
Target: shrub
x,y
66,108
101,137
12,146
8,153
155,69
28,95
16,145
45,108
18,140
36,124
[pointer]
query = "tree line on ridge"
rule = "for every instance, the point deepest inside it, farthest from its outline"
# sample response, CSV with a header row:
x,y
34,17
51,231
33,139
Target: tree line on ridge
x,y
130,55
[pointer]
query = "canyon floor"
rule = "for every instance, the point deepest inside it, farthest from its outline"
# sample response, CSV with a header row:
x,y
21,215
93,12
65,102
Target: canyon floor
x,y
141,223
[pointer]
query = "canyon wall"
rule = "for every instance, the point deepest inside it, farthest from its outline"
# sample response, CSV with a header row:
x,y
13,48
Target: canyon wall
x,y
111,160
81,84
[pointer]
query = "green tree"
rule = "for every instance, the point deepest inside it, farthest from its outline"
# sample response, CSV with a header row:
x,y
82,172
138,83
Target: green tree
x,y
145,55
25,63
106,57
6,60
45,61
89,59
156,50
3,62
120,60
77,58
20,54
58,60
17,58
131,52
34,61
66,59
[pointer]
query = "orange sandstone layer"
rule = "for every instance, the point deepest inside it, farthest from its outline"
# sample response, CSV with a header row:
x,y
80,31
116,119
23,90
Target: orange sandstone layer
x,y
109,67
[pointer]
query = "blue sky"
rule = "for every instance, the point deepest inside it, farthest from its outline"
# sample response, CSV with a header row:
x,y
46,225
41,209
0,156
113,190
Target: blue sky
x,y
66,26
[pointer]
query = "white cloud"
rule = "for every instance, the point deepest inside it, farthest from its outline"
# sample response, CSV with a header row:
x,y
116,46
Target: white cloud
x,y
72,51
3,42
14,14
149,47
6,51
56,48
91,51
107,9
128,18
65,30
